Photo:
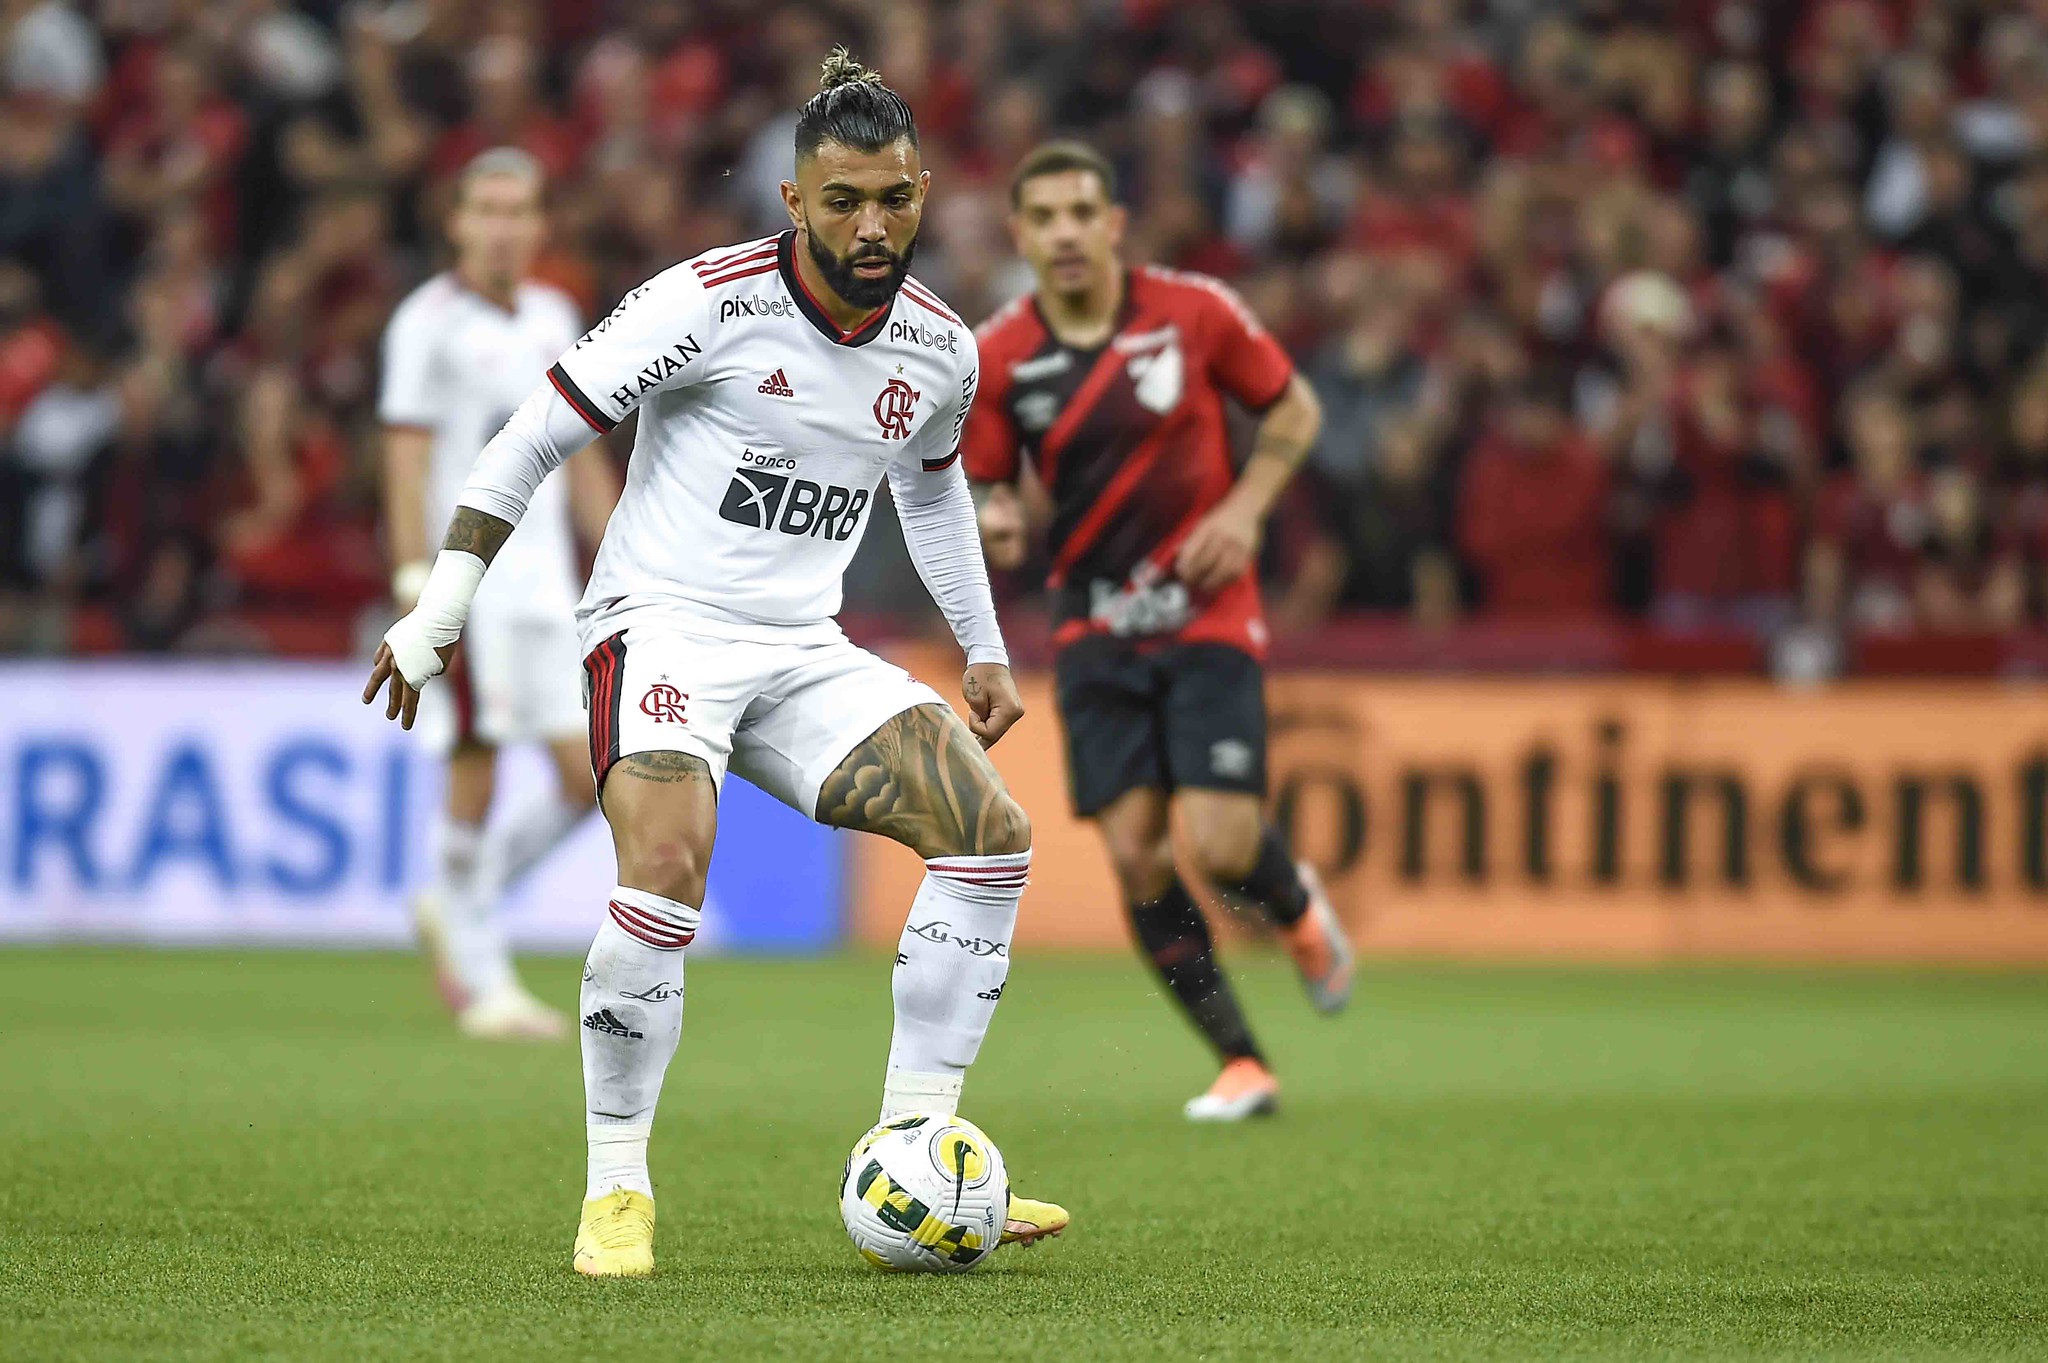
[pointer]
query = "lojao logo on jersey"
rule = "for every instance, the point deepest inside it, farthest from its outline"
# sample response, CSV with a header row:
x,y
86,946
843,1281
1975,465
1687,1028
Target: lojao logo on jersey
x,y
795,506
917,333
894,406
730,308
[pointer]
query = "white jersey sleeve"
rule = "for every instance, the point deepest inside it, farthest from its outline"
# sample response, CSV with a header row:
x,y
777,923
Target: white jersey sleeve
x,y
936,509
653,340
408,393
535,440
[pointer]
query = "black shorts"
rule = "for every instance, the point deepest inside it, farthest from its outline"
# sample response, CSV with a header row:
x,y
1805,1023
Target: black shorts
x,y
1169,716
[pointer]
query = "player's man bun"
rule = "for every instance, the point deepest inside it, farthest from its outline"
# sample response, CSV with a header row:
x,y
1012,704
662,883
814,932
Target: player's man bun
x,y
852,107
840,68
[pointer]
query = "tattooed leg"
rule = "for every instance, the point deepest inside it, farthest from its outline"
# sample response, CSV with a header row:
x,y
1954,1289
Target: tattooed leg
x,y
922,780
663,810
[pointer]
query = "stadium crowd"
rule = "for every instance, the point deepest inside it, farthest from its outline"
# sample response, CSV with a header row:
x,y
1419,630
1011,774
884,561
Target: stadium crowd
x,y
1722,314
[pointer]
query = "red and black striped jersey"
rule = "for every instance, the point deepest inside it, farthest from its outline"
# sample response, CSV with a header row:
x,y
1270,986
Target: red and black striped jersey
x,y
1130,440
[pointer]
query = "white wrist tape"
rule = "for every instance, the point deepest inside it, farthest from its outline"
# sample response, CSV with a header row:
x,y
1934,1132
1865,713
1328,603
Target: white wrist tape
x,y
437,620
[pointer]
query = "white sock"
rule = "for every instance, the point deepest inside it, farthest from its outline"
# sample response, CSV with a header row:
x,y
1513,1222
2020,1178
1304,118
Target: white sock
x,y
518,841
632,1019
477,950
951,964
618,1159
457,846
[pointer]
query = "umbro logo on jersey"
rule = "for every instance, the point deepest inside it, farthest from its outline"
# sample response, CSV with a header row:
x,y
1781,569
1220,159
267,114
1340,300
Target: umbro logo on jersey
x,y
776,385
729,308
795,506
917,333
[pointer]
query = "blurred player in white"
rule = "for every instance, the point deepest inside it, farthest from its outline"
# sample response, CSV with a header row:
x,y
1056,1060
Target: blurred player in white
x,y
459,356
777,384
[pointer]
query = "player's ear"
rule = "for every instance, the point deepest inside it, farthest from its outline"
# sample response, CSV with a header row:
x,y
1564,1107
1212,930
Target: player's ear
x,y
793,201
1118,218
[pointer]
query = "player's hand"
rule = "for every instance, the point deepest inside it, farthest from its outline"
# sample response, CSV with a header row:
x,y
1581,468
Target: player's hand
x,y
992,701
1005,535
404,699
1219,550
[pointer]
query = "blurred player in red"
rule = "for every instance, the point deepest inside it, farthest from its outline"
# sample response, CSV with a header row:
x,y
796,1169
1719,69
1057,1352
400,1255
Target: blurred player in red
x,y
1111,382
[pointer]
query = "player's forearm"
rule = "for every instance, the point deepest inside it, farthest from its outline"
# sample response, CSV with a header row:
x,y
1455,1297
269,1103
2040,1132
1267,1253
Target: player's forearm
x,y
471,531
1285,436
941,530
533,443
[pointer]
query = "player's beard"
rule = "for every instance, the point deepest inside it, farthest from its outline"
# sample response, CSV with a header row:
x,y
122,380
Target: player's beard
x,y
858,290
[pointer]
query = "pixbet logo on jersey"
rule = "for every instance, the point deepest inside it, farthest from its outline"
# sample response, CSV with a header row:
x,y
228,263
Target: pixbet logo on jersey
x,y
894,406
795,506
755,307
917,333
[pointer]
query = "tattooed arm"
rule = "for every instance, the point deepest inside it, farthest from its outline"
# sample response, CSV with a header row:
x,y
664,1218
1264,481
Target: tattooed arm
x,y
534,442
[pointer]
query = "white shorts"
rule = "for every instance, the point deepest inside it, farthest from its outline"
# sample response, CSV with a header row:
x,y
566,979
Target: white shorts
x,y
511,680
783,715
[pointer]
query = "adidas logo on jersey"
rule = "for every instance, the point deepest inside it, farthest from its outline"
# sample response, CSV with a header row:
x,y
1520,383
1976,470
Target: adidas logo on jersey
x,y
776,385
795,506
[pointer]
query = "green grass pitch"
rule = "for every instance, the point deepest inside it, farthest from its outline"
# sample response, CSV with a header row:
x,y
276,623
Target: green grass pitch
x,y
291,1156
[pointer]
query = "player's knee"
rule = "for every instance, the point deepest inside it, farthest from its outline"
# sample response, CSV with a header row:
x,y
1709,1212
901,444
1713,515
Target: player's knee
x,y
1222,842
1007,829
1143,866
672,866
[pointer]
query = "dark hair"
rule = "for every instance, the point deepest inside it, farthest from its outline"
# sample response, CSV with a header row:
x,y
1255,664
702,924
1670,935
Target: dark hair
x,y
1057,158
853,108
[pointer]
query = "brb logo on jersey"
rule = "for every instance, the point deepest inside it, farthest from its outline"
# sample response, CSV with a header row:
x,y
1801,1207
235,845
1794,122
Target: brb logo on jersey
x,y
795,506
894,406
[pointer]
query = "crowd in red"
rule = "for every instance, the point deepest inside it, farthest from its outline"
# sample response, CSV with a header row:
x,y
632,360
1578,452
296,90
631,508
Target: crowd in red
x,y
1715,314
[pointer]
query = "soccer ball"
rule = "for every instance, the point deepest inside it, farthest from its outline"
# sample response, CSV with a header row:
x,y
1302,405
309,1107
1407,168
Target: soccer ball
x,y
925,1192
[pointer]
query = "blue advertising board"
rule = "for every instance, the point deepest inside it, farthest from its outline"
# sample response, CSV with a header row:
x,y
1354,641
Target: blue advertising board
x,y
261,802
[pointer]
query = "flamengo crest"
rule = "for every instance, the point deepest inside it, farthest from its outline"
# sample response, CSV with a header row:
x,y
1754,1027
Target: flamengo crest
x,y
894,406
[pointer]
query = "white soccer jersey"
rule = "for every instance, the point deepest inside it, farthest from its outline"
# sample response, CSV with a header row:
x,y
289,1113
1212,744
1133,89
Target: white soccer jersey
x,y
764,434
458,364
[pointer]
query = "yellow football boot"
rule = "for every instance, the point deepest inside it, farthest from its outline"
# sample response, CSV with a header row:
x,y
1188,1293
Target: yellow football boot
x,y
616,1239
1029,1222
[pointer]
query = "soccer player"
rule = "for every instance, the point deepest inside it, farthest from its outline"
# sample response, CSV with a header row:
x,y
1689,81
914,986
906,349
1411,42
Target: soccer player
x,y
776,383
1112,381
459,355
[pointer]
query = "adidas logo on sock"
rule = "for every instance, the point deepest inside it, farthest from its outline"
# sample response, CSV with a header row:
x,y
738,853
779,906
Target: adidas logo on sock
x,y
603,1020
776,385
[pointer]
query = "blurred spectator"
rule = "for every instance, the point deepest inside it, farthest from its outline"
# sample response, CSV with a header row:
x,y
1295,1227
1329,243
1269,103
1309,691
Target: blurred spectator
x,y
1533,507
1785,266
50,50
